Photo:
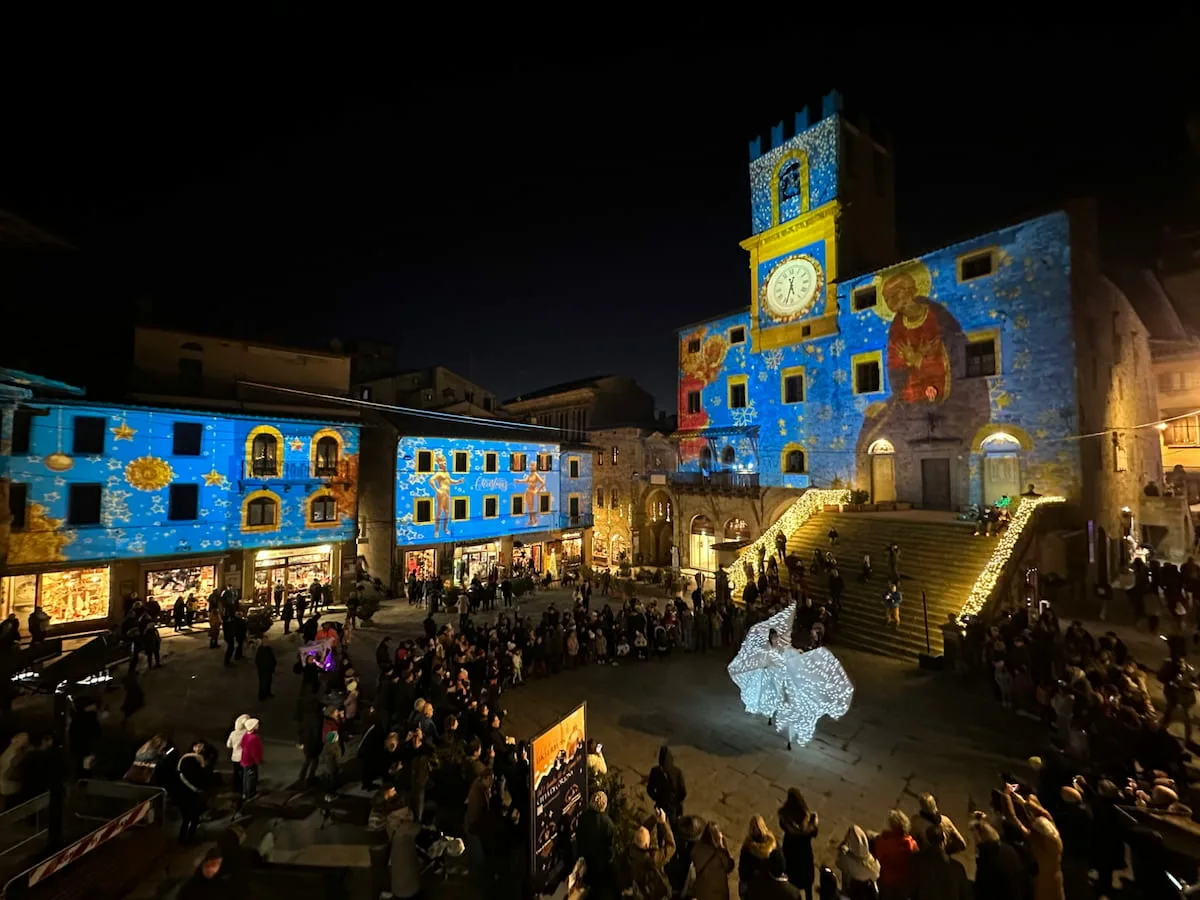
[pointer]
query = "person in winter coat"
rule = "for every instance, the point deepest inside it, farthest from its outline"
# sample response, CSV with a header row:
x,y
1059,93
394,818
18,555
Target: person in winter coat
x,y
935,876
666,785
773,884
264,664
894,849
1044,842
252,757
595,837
860,870
799,825
999,872
194,775
678,869
234,743
758,847
929,814
648,859
711,864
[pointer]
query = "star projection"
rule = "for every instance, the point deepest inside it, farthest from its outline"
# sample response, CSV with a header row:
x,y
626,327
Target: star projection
x,y
795,688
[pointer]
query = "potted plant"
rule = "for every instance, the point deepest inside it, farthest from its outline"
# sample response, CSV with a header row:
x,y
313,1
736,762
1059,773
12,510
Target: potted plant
x,y
858,499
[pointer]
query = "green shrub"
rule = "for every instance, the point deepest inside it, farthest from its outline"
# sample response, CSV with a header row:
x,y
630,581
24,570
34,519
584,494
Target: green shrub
x,y
522,586
626,816
860,497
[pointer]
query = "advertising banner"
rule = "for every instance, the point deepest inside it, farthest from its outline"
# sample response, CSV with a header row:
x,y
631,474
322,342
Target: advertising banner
x,y
559,772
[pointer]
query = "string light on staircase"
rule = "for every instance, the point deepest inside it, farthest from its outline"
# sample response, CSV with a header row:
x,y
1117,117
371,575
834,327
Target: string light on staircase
x,y
1005,545
811,503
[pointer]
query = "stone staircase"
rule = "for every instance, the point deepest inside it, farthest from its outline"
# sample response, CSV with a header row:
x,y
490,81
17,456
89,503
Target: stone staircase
x,y
941,558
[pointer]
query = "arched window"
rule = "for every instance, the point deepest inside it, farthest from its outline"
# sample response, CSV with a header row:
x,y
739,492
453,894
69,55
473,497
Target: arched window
x,y
728,455
706,458
881,446
737,530
789,181
794,462
701,554
265,455
327,456
323,509
262,511
614,498
658,507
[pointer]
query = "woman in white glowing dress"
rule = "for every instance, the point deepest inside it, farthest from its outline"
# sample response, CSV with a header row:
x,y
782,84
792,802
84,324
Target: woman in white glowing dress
x,y
793,689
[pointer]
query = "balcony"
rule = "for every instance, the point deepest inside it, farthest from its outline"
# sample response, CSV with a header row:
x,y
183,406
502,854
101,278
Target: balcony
x,y
715,482
566,520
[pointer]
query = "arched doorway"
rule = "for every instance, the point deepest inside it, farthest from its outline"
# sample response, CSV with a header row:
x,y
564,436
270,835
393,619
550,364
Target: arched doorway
x,y
1001,466
660,528
700,547
883,471
737,530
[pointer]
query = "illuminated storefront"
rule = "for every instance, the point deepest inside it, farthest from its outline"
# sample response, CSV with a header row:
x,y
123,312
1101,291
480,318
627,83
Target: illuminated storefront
x,y
422,563
294,568
571,553
529,557
69,596
476,560
164,585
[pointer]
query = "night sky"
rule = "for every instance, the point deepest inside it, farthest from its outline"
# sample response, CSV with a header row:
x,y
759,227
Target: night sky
x,y
525,218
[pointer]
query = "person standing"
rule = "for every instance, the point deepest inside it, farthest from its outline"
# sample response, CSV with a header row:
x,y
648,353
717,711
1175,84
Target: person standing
x,y
234,744
666,785
278,597
194,772
252,757
800,826
891,604
894,562
38,622
265,663
289,612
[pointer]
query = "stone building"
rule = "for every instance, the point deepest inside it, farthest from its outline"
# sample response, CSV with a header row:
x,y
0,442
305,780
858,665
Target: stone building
x,y
958,377
576,407
435,388
633,506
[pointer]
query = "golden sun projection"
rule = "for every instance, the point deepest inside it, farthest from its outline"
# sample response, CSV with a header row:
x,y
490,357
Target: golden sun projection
x,y
149,473
41,541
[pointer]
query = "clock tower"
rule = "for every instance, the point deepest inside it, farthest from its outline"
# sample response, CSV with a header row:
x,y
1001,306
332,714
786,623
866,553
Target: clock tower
x,y
822,208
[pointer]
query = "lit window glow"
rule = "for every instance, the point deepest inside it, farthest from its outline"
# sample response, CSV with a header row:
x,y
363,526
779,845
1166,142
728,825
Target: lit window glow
x,y
985,584
812,502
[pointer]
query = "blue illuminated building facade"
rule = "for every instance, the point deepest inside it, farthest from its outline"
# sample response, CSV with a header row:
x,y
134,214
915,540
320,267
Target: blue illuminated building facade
x,y
114,501
466,505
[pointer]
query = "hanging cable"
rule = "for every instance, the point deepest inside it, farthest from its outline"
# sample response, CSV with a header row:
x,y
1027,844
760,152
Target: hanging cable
x,y
1154,424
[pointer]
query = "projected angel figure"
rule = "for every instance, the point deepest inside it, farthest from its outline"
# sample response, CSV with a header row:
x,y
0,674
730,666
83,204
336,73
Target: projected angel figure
x,y
793,689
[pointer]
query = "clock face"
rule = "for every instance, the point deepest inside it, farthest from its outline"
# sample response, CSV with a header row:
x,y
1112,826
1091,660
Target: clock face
x,y
792,287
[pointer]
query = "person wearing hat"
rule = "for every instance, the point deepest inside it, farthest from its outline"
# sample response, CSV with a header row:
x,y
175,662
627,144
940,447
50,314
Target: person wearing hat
x,y
595,836
252,757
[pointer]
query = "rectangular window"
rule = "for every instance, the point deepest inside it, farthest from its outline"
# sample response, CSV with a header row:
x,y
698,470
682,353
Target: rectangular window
x,y
616,451
422,511
600,459
491,462
599,498
614,499
981,358
184,502
545,462
461,507
424,460
516,462
867,376
89,434
186,437
18,497
22,431
865,297
518,505
491,507
793,385
462,461
693,401
573,506
543,503
975,265
1179,433
694,345
737,335
83,503
573,467
737,392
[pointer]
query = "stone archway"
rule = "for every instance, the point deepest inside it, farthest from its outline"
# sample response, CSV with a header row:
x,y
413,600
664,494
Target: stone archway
x,y
659,512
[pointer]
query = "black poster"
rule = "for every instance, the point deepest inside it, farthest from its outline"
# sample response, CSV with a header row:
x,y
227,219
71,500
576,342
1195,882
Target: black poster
x,y
559,773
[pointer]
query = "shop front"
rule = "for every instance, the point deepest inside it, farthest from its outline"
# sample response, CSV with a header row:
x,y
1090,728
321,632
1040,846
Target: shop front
x,y
295,568
529,557
180,580
471,560
421,563
69,596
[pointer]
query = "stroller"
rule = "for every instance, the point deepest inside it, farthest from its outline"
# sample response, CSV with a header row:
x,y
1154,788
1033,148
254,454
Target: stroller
x,y
436,852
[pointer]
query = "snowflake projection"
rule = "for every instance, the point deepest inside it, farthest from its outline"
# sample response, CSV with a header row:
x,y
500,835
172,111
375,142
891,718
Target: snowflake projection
x,y
115,464
157,506
205,513
419,491
95,459
33,460
837,348
116,508
407,533
418,477
861,404
838,443
405,519
773,359
50,496
715,401
745,447
744,416
796,689
138,544
221,501
1022,360
762,375
205,544
840,376
60,482
235,544
1020,322
825,413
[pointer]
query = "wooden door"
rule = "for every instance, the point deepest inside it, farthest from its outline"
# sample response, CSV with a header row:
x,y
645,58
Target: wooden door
x,y
883,478
935,483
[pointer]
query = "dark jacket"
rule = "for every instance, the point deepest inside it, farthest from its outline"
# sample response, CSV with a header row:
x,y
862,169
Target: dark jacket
x,y
798,836
595,837
999,873
666,785
712,866
935,876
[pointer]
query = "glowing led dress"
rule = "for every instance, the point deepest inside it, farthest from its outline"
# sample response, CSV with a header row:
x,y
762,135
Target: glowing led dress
x,y
794,688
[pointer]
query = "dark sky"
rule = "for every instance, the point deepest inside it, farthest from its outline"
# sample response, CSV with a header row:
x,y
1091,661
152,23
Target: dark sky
x,y
527,217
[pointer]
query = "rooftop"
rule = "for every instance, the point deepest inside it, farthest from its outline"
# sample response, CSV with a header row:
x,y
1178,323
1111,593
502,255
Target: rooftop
x,y
562,388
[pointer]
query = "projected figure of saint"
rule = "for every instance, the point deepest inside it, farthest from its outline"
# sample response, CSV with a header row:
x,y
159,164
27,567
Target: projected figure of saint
x,y
534,482
441,481
917,360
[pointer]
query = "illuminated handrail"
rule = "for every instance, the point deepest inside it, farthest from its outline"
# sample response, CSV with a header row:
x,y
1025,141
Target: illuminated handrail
x,y
993,570
811,503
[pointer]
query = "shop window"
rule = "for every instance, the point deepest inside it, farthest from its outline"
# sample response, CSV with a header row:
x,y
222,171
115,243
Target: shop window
x,y
462,461
867,375
573,467
737,335
975,265
186,438
491,462
491,507
323,509
1183,432
573,502
516,462
793,385
693,345
18,498
518,505
184,502
865,297
262,512
88,434
693,402
83,504
327,452
543,503
22,431
794,462
422,511
264,456
425,461
981,357
72,595
728,455
737,392
460,509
